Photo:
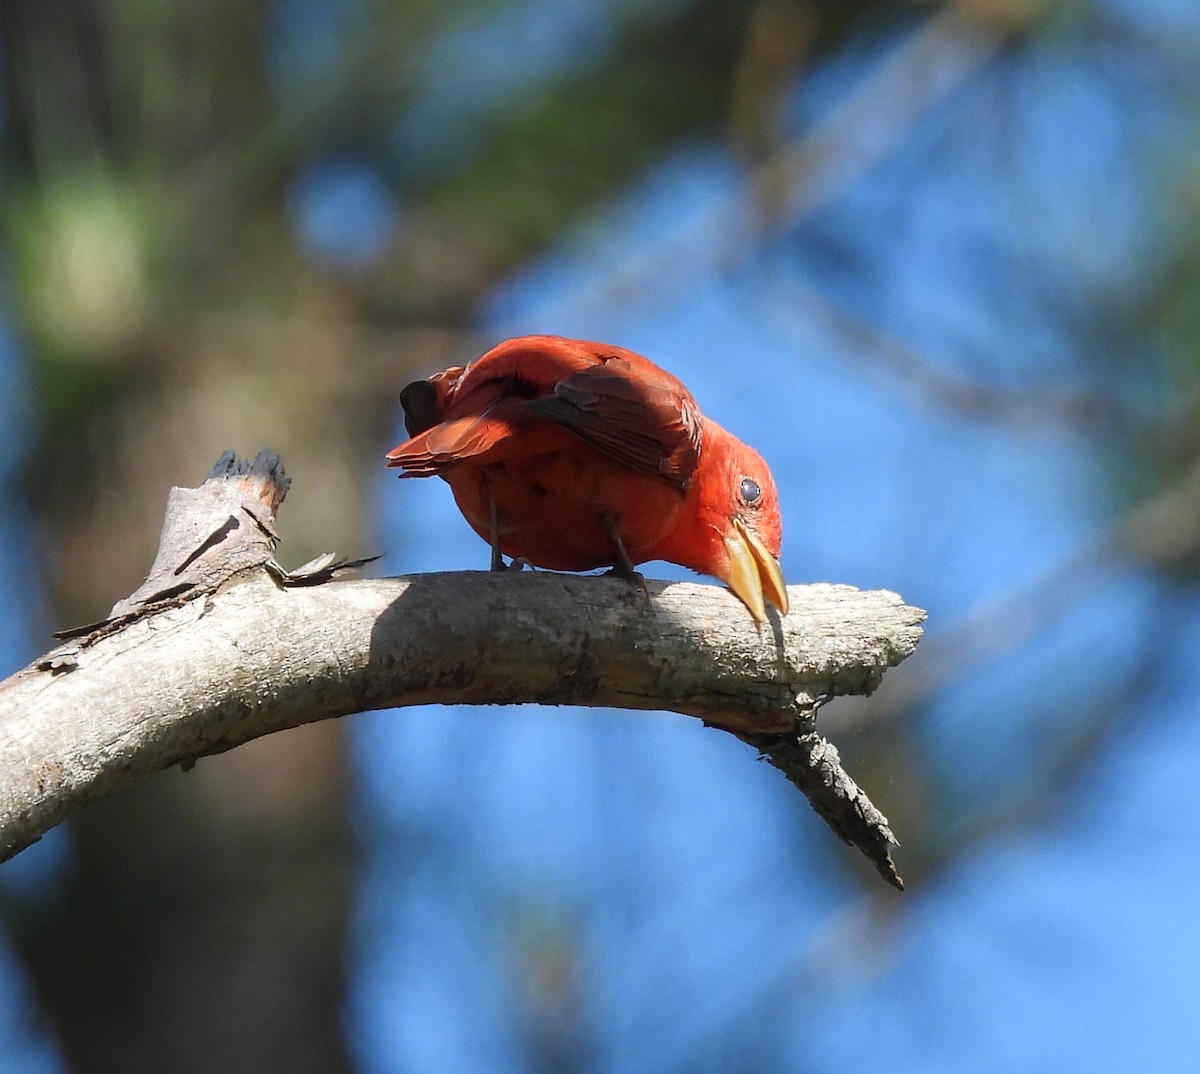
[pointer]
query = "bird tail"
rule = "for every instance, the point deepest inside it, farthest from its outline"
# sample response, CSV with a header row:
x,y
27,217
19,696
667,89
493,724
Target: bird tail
x,y
424,401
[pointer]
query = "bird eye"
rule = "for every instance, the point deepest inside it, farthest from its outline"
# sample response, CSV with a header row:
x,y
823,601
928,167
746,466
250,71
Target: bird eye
x,y
749,491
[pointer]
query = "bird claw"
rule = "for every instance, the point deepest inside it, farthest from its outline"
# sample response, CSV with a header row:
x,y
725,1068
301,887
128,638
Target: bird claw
x,y
518,563
629,575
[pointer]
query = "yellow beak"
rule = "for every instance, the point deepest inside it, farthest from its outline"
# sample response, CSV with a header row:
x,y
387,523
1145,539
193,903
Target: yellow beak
x,y
754,573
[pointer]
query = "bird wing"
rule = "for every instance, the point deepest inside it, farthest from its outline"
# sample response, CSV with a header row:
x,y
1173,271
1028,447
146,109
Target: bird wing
x,y
635,413
615,400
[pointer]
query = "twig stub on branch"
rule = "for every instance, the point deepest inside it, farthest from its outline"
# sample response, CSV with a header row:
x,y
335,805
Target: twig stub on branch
x,y
812,765
210,534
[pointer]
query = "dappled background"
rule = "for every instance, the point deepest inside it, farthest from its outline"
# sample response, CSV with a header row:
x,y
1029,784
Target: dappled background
x,y
937,261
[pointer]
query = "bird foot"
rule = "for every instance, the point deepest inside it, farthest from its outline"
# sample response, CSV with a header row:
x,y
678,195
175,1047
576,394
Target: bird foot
x,y
518,563
623,567
629,575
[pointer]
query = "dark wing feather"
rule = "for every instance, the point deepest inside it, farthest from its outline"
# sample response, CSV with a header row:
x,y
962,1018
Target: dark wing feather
x,y
650,424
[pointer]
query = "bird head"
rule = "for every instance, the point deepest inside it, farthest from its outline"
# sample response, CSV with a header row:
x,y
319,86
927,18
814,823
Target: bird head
x,y
735,528
754,571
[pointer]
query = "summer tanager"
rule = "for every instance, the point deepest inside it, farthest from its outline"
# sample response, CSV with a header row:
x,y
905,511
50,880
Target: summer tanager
x,y
571,455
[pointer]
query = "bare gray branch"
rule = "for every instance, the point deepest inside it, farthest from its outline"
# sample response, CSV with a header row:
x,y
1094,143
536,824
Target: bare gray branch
x,y
241,650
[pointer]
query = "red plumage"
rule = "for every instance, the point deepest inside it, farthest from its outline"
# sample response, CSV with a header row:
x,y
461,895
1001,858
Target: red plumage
x,y
573,455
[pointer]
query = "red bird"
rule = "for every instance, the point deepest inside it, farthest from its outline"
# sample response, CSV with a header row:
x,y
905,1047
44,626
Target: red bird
x,y
572,455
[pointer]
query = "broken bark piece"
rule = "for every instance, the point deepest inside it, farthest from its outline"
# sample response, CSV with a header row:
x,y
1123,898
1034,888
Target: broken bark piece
x,y
323,568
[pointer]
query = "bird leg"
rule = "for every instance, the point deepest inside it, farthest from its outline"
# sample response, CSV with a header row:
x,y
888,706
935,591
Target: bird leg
x,y
497,558
623,567
498,563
